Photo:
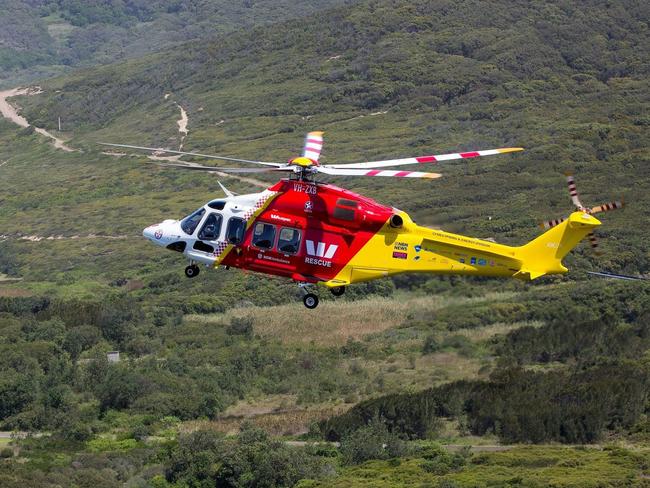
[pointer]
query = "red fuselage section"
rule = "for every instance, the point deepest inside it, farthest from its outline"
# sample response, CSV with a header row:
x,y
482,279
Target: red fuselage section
x,y
334,224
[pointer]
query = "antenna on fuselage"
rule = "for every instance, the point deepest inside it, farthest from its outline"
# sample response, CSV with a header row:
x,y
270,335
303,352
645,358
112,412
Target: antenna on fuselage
x,y
226,190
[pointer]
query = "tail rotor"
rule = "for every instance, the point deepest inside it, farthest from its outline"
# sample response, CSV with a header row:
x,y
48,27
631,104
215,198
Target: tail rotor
x,y
575,199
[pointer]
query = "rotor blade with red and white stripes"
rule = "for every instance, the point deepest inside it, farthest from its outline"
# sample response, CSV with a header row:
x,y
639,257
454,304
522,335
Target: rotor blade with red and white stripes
x,y
607,207
547,224
328,170
594,243
573,191
425,159
313,145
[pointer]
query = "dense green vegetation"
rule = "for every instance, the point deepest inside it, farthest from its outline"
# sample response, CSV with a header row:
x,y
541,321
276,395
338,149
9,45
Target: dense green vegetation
x,y
424,359
46,37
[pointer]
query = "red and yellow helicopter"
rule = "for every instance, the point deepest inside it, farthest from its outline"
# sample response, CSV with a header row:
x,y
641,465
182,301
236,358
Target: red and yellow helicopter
x,y
316,233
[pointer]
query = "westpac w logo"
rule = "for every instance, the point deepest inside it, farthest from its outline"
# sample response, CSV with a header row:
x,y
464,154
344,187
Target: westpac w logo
x,y
320,249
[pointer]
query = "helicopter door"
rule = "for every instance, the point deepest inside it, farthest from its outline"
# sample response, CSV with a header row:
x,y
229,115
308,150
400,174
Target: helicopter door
x,y
274,247
208,234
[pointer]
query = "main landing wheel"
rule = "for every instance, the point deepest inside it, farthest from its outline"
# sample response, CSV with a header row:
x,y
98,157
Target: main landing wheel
x,y
192,271
310,300
337,291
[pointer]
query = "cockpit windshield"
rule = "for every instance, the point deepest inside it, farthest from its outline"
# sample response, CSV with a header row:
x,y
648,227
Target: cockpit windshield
x,y
189,223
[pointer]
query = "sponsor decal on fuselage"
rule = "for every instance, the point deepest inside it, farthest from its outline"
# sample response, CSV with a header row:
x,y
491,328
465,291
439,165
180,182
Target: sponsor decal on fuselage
x,y
280,218
320,253
400,255
401,246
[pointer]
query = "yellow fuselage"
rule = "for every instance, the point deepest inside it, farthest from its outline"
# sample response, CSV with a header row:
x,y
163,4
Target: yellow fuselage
x,y
412,249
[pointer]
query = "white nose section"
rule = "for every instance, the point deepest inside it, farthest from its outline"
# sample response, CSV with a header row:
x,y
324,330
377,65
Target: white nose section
x,y
154,233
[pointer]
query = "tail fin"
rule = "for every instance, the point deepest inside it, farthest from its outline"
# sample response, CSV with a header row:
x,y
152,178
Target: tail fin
x,y
544,254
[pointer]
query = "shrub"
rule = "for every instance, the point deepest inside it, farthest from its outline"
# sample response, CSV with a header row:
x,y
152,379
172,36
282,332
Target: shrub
x,y
373,441
6,452
241,326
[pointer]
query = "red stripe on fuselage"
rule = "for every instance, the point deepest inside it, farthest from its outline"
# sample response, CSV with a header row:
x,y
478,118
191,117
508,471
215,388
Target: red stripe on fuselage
x,y
469,155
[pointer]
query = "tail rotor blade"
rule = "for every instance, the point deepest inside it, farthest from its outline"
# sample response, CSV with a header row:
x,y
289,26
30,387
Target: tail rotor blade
x,y
573,191
548,224
607,207
594,243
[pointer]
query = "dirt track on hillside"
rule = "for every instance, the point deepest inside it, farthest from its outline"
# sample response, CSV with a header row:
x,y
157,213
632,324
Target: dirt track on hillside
x,y
10,113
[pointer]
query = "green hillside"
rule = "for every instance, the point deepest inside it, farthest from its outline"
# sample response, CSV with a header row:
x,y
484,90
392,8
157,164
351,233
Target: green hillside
x,y
406,363
47,37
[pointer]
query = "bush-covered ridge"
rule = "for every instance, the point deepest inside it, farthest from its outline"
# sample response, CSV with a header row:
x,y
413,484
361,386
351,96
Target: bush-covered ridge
x,y
50,36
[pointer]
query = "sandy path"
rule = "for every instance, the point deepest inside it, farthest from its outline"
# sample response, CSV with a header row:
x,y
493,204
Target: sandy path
x,y
10,113
182,126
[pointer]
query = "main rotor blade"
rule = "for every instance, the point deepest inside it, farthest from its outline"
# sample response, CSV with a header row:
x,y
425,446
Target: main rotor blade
x,y
425,159
328,170
313,145
198,167
617,276
209,156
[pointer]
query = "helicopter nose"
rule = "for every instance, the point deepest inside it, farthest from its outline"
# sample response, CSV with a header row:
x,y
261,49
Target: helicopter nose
x,y
153,233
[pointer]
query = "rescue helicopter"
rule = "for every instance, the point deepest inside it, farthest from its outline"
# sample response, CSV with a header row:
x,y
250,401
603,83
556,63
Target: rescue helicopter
x,y
317,233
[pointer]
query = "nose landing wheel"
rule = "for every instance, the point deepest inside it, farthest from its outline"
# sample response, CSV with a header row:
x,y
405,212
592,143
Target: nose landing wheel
x,y
310,300
192,271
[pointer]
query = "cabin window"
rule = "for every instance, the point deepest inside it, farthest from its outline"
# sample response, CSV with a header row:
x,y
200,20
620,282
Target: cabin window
x,y
190,223
217,205
202,246
211,228
235,231
264,235
289,241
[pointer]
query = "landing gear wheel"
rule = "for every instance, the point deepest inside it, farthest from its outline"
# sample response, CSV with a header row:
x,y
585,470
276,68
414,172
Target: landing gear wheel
x,y
310,300
337,291
192,271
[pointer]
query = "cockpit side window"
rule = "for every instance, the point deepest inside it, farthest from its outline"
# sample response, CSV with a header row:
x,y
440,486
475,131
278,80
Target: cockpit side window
x,y
211,228
264,235
235,231
190,222
289,240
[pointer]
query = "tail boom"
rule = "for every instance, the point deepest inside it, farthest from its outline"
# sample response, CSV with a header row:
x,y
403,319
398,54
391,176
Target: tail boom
x,y
544,254
416,249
